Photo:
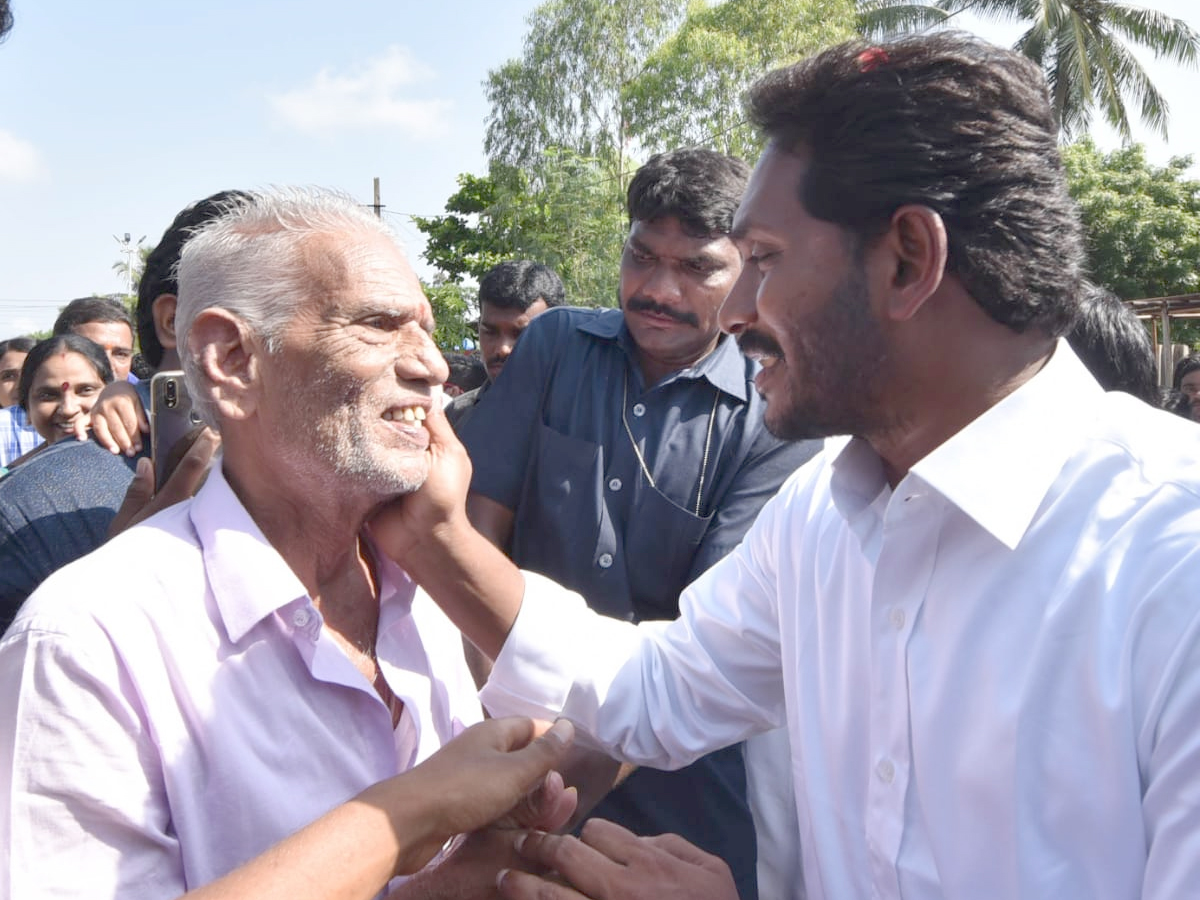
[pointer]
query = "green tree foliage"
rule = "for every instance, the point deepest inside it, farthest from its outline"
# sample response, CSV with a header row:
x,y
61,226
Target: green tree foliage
x,y
565,90
566,213
1082,45
690,92
1142,221
454,311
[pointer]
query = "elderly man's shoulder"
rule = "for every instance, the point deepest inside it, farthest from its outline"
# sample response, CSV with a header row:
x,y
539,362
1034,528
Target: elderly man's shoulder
x,y
152,571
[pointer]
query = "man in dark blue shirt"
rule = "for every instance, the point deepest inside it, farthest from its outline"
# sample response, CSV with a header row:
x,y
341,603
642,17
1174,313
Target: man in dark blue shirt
x,y
623,452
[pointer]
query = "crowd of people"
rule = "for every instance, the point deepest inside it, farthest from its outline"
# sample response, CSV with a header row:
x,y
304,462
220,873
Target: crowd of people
x,y
850,556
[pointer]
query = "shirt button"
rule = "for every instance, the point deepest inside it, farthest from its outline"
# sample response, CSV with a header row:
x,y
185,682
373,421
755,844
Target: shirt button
x,y
614,484
639,409
300,618
886,771
897,618
605,560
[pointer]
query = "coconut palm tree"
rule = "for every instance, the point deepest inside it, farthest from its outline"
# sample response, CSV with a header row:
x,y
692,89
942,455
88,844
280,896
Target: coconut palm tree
x,y
1082,45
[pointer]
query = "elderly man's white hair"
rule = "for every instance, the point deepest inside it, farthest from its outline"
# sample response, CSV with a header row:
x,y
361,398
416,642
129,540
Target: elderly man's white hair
x,y
250,261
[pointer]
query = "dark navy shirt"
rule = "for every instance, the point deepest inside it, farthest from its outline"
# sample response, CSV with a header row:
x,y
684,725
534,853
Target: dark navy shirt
x,y
548,441
55,508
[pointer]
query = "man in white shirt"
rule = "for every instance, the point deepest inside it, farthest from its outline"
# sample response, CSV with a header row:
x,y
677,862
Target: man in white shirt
x,y
215,679
978,616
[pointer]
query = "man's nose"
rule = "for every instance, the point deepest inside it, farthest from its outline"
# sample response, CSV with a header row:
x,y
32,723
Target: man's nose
x,y
662,285
740,307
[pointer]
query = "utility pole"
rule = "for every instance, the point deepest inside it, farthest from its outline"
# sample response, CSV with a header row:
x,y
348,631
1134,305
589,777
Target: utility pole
x,y
376,206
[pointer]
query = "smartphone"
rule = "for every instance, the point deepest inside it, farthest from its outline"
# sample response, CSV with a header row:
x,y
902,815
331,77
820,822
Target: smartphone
x,y
171,418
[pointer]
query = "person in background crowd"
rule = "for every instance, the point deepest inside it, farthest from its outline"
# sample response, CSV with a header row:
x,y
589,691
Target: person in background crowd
x,y
1186,381
106,322
12,357
511,295
62,377
17,436
977,611
467,373
1112,342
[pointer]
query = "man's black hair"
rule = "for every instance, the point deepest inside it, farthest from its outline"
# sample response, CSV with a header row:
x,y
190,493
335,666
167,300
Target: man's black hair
x,y
467,370
520,283
159,275
91,309
17,345
1114,345
951,123
1184,367
701,188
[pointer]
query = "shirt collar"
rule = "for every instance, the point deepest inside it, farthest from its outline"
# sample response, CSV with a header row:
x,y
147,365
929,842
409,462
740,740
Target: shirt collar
x,y
248,578
724,368
997,469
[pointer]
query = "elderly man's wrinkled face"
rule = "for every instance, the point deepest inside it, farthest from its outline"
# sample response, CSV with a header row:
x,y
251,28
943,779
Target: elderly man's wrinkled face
x,y
356,372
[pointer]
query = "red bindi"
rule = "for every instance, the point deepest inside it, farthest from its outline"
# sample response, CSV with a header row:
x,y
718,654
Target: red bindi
x,y
66,385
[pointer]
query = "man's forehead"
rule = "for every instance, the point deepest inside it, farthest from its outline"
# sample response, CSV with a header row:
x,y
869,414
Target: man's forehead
x,y
667,236
97,327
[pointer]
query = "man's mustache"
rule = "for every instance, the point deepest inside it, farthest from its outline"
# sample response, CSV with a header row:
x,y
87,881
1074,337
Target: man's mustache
x,y
755,342
642,304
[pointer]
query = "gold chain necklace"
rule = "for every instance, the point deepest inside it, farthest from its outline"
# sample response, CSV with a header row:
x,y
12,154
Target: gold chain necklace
x,y
712,417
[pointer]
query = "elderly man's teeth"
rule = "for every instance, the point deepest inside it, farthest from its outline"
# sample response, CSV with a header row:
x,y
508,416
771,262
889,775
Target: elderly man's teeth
x,y
408,414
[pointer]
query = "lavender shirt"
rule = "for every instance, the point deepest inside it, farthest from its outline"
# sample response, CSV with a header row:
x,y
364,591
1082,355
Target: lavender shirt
x,y
171,706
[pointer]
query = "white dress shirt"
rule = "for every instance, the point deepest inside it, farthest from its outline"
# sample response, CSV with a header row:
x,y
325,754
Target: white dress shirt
x,y
990,674
172,705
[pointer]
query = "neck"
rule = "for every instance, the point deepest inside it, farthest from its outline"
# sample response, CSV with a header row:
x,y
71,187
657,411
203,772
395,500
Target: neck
x,y
946,392
655,370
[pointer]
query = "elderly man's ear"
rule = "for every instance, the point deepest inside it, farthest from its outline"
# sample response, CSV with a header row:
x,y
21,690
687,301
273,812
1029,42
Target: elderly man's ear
x,y
229,357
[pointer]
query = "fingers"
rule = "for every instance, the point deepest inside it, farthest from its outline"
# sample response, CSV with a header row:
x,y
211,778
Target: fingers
x,y
614,841
516,885
592,872
684,849
194,452
80,427
548,807
118,420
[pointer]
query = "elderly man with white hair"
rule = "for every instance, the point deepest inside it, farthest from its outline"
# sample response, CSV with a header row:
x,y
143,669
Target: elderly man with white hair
x,y
238,666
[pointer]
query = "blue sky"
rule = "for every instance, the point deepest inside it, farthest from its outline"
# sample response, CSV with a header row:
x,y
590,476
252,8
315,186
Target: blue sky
x,y
115,115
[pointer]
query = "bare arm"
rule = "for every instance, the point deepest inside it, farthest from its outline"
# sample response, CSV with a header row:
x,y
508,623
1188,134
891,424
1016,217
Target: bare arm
x,y
491,519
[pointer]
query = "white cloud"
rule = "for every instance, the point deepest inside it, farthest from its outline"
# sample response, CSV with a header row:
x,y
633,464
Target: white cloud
x,y
19,160
369,96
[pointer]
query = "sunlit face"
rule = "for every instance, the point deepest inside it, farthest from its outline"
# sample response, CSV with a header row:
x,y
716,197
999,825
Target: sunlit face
x,y
672,285
1189,385
62,392
117,340
802,308
499,328
357,370
10,376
